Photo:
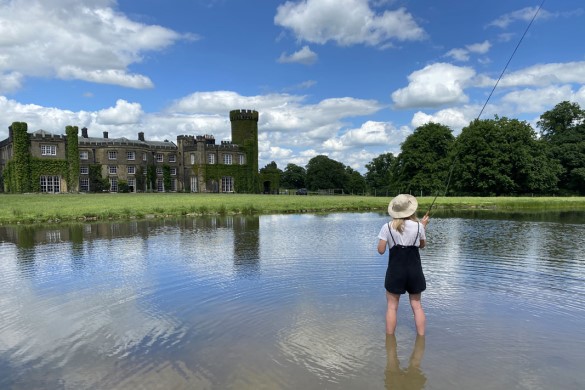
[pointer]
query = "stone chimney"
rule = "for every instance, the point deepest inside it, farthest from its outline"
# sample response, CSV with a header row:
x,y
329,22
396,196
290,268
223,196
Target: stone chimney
x,y
10,133
84,133
141,136
105,134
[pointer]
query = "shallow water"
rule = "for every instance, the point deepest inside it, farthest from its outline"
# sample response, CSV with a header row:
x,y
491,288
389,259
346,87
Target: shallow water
x,y
289,301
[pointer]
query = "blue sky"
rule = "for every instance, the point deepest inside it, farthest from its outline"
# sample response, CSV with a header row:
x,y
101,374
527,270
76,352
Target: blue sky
x,y
346,78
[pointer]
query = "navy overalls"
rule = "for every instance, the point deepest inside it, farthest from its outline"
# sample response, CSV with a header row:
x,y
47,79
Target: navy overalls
x,y
404,272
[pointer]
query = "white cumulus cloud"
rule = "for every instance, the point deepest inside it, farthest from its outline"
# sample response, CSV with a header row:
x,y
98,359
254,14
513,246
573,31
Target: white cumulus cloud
x,y
541,99
87,40
304,56
454,118
462,54
370,133
525,15
10,81
347,22
279,153
37,117
479,48
546,74
458,54
123,113
434,85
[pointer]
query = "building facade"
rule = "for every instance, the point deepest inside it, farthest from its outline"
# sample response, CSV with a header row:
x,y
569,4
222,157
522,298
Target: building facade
x,y
45,162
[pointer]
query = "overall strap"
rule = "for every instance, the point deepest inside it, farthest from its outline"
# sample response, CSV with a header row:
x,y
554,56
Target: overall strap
x,y
417,233
390,231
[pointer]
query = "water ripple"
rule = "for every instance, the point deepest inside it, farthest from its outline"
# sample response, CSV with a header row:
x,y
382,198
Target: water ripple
x,y
288,302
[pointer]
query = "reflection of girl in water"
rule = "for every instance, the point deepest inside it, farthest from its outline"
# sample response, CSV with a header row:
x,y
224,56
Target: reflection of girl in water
x,y
409,378
404,236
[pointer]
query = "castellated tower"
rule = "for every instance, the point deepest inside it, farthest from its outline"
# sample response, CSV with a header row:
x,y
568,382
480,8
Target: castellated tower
x,y
244,126
245,133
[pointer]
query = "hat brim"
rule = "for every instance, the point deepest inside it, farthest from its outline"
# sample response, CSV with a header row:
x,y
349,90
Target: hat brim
x,y
412,207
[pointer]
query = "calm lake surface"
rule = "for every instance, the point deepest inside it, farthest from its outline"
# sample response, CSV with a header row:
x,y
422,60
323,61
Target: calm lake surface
x,y
291,302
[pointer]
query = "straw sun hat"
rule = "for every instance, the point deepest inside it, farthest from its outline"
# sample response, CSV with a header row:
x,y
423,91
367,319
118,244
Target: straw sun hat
x,y
402,206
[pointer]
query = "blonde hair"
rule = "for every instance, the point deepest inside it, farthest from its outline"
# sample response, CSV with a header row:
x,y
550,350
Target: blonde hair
x,y
398,223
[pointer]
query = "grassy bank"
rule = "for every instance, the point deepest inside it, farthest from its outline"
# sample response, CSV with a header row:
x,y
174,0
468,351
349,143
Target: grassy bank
x,y
45,208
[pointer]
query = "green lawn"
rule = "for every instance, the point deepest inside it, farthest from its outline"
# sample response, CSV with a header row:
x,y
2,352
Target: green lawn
x,y
40,208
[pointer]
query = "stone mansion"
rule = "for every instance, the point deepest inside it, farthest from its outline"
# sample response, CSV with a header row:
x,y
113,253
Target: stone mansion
x,y
44,162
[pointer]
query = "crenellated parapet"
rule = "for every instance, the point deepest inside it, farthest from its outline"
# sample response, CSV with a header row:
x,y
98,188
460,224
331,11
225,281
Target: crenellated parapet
x,y
236,115
193,140
207,138
188,139
45,135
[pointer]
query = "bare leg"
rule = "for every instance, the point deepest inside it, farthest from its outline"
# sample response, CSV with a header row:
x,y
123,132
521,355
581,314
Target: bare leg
x,y
419,315
391,311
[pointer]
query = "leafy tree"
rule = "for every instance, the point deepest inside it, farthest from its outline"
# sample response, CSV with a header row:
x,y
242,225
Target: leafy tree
x,y
355,183
272,167
325,173
558,124
541,173
293,176
123,186
563,128
502,157
378,173
578,179
423,163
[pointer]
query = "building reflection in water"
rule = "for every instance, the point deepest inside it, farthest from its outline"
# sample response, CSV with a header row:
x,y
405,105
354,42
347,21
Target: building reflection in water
x,y
77,250
412,377
31,239
245,231
247,246
24,239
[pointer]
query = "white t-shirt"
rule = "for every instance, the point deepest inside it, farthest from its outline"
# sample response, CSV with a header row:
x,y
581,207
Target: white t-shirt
x,y
408,235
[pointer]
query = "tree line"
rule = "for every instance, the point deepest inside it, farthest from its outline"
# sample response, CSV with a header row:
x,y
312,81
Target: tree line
x,y
490,157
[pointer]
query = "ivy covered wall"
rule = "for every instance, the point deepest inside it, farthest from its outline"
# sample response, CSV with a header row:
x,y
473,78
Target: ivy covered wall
x,y
72,158
166,177
37,168
19,169
251,149
245,179
22,173
42,167
216,171
151,177
97,183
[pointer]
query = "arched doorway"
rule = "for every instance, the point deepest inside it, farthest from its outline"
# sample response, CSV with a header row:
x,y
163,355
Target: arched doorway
x,y
266,187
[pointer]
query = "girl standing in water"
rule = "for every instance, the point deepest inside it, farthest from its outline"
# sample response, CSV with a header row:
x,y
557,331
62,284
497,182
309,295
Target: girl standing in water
x,y
404,235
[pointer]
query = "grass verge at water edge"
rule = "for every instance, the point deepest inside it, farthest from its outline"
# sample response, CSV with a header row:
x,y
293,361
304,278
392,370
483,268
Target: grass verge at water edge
x,y
54,208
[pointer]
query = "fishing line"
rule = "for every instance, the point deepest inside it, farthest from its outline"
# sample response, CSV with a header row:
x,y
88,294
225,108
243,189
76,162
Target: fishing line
x,y
488,99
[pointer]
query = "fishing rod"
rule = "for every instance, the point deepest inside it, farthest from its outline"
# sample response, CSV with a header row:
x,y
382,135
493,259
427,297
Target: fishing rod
x,y
487,100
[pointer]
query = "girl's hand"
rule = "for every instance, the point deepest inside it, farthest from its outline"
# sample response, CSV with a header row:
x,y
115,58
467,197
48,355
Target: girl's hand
x,y
425,220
